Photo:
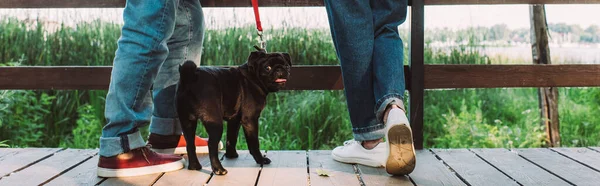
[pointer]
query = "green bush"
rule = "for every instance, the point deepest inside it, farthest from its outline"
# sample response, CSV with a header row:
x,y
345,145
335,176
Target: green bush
x,y
86,134
22,117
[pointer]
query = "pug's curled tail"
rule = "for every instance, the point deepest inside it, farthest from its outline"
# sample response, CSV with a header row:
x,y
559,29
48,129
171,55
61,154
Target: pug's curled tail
x,y
187,71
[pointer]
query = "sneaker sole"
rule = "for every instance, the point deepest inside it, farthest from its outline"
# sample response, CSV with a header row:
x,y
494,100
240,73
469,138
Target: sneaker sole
x,y
183,150
369,163
167,167
401,159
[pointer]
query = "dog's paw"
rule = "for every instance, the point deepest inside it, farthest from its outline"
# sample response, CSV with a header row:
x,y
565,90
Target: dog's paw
x,y
219,171
264,160
194,166
231,155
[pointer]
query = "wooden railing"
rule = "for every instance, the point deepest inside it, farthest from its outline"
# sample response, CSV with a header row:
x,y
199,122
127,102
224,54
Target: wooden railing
x,y
418,75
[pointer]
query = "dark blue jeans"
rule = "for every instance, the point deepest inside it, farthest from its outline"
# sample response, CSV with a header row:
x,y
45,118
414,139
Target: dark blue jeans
x,y
157,36
365,35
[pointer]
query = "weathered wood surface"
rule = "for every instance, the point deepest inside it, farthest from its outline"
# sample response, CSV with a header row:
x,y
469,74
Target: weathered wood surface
x,y
432,171
287,168
561,166
188,177
378,176
547,96
240,171
542,166
341,174
262,3
46,169
21,158
587,157
474,170
518,168
494,76
417,71
83,174
329,77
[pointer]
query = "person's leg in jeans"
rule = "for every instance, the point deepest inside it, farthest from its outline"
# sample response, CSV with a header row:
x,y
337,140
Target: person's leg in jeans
x,y
352,32
185,44
389,84
142,50
354,28
351,24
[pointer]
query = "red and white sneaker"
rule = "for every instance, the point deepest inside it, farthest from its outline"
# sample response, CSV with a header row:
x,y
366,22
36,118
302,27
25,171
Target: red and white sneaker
x,y
140,161
176,144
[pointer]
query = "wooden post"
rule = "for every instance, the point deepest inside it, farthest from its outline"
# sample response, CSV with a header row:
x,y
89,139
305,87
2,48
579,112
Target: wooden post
x,y
417,71
548,96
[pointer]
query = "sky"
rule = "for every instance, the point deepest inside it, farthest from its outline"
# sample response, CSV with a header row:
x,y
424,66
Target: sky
x,y
454,17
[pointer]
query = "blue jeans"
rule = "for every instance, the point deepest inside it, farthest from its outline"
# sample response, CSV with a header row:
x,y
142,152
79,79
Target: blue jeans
x,y
157,36
365,35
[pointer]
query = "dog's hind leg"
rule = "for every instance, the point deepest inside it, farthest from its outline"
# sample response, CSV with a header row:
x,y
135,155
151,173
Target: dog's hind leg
x,y
189,133
214,127
233,130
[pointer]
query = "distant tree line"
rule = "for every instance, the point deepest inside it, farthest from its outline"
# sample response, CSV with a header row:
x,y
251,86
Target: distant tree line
x,y
501,34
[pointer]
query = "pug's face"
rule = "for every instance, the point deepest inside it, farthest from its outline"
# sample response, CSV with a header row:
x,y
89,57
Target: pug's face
x,y
272,69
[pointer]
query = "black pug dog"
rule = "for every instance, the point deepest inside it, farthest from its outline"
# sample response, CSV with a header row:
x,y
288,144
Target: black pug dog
x,y
235,94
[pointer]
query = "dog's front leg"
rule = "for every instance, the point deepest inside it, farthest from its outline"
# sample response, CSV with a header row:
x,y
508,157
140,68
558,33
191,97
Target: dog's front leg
x,y
251,133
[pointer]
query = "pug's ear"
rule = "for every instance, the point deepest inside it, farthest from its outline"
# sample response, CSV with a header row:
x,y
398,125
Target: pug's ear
x,y
254,58
287,58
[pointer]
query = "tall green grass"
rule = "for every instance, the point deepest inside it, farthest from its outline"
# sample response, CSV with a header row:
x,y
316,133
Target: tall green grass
x,y
292,119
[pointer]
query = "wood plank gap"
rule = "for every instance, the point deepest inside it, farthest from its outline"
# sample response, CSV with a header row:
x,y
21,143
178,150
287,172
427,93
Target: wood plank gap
x,y
450,168
307,168
411,180
593,149
33,163
543,168
160,176
260,169
584,164
68,169
486,161
100,182
358,174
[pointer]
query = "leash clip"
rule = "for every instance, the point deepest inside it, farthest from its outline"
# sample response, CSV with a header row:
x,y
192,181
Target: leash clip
x,y
262,43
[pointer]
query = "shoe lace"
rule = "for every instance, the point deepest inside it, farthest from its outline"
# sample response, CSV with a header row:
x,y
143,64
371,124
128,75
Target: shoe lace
x,y
144,151
350,142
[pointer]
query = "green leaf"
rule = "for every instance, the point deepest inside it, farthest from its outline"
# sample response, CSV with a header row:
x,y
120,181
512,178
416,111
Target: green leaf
x,y
323,172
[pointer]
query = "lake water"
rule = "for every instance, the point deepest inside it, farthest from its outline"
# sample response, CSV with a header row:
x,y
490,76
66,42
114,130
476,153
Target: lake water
x,y
560,55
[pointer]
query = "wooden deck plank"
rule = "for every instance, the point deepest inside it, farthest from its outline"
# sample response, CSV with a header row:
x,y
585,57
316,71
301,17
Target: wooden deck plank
x,y
287,168
378,176
431,171
7,151
48,168
84,174
341,174
132,181
21,158
518,168
470,167
561,166
583,155
188,177
240,171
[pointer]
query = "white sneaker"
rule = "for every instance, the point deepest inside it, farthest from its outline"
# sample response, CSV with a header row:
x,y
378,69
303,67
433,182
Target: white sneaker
x,y
354,152
401,157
